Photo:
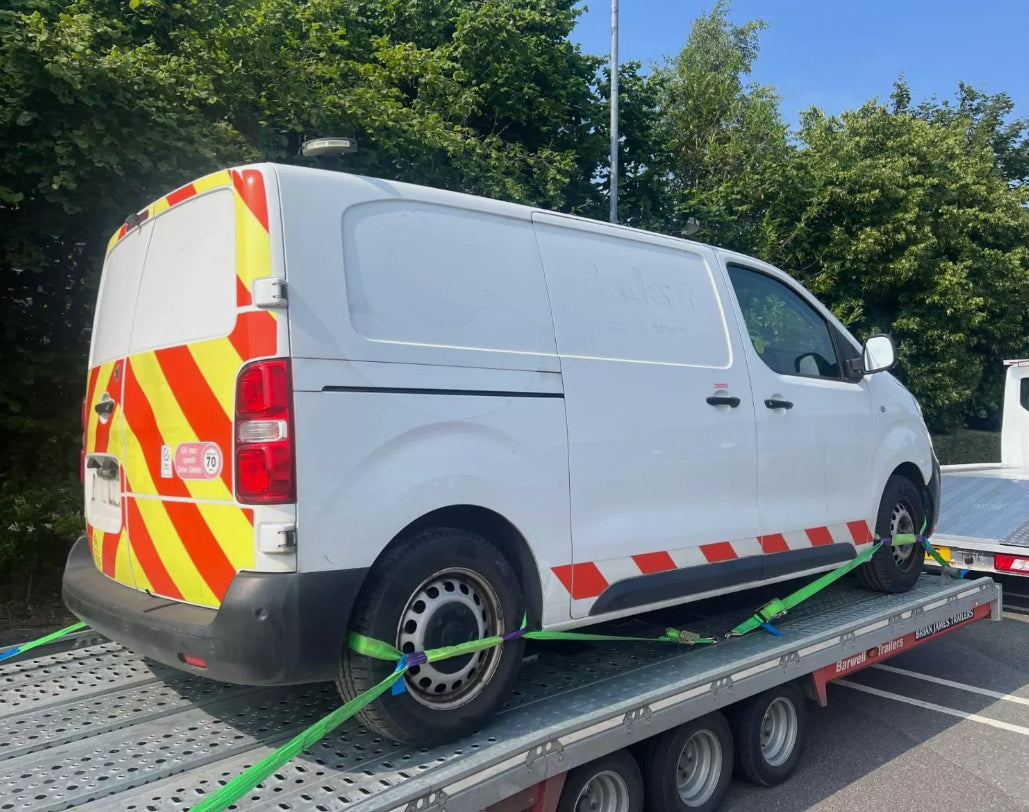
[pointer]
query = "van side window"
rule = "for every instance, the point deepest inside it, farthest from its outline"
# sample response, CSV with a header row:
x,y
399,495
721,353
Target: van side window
x,y
789,335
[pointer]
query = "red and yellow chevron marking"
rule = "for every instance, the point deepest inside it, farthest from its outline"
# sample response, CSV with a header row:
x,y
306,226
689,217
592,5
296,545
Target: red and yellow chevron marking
x,y
187,539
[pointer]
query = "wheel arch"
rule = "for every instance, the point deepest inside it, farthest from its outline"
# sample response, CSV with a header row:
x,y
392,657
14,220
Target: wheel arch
x,y
911,472
496,528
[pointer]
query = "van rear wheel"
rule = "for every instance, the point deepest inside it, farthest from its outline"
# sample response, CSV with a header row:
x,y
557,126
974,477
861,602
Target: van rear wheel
x,y
902,510
441,587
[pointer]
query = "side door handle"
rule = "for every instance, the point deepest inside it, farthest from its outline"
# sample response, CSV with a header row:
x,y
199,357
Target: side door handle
x,y
774,403
722,400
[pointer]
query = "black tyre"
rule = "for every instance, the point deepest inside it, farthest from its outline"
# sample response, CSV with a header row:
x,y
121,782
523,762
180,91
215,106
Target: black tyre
x,y
769,731
689,767
895,569
609,784
441,587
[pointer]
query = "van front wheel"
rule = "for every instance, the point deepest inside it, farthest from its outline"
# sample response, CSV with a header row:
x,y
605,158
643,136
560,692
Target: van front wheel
x,y
896,568
441,587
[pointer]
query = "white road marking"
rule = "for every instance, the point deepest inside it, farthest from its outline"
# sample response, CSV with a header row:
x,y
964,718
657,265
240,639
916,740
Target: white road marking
x,y
961,686
971,717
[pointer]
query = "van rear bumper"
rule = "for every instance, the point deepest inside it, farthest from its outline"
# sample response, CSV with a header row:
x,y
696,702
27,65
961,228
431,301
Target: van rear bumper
x,y
271,628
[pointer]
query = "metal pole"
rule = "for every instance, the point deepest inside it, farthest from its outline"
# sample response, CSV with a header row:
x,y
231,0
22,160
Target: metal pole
x,y
614,111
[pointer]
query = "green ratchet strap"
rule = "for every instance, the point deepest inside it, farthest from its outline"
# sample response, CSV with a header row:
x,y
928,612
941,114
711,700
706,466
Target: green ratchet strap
x,y
246,781
379,650
6,654
763,617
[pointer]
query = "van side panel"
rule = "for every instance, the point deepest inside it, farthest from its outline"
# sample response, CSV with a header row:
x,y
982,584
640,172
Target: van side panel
x,y
424,367
193,327
660,478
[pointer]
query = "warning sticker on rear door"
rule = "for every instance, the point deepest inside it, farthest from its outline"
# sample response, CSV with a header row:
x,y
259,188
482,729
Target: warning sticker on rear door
x,y
198,461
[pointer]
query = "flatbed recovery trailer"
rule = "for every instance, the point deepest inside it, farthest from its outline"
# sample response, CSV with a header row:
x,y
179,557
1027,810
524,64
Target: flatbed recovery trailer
x,y
984,507
94,727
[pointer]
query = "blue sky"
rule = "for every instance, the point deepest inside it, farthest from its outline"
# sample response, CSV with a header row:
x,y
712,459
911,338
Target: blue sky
x,y
835,55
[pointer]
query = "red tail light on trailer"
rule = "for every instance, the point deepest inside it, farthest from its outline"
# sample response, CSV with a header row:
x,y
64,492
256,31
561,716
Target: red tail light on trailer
x,y
1010,563
265,470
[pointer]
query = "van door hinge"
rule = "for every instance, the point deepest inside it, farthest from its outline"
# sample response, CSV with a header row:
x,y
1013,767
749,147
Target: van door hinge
x,y
270,292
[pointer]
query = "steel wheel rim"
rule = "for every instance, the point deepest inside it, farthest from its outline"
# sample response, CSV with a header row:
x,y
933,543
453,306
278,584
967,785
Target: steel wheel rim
x,y
604,792
451,606
779,728
902,521
699,768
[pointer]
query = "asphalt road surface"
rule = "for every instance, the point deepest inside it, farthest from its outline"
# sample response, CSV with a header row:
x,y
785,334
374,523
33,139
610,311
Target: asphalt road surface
x,y
896,738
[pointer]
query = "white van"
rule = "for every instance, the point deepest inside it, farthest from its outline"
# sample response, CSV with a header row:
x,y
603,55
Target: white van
x,y
320,402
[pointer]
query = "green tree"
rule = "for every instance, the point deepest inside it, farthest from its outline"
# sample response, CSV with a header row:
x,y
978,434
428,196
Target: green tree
x,y
906,224
487,97
987,121
722,141
642,187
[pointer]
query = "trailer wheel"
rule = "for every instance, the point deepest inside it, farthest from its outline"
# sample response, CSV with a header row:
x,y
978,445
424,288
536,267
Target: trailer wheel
x,y
609,784
769,731
689,767
895,569
440,587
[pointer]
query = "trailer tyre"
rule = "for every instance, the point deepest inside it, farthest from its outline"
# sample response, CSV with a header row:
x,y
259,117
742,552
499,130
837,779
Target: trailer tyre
x,y
902,510
769,730
609,784
440,587
689,767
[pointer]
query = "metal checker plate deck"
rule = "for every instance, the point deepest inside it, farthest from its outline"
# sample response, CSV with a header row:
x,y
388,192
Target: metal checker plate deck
x,y
989,508
111,731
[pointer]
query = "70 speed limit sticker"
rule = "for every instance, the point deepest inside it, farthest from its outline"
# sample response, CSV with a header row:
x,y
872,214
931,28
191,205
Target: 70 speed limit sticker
x,y
198,461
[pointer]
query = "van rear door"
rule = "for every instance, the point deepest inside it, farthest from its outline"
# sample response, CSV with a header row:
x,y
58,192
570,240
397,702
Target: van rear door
x,y
102,413
193,326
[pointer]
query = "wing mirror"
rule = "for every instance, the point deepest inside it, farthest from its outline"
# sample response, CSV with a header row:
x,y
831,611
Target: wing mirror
x,y
878,355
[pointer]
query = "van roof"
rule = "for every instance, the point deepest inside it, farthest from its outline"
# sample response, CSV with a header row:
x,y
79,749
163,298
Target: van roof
x,y
478,202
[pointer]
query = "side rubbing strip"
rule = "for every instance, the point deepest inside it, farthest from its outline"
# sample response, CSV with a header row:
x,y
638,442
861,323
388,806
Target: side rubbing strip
x,y
475,393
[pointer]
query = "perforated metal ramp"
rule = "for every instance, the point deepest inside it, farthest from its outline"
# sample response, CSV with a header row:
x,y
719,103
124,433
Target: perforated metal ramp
x,y
986,506
97,728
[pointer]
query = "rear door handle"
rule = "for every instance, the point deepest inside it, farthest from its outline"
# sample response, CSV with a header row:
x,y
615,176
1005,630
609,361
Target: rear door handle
x,y
104,408
774,403
716,400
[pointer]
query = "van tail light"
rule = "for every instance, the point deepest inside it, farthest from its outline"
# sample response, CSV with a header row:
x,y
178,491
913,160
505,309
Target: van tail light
x,y
1010,563
265,470
82,450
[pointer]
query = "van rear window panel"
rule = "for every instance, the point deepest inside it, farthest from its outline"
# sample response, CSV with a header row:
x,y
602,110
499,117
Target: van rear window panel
x,y
188,292
629,300
117,300
431,275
